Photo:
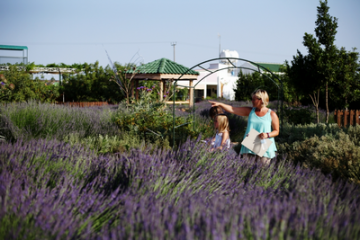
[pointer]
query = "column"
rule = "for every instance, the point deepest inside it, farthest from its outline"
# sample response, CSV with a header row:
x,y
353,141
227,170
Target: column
x,y
191,97
161,90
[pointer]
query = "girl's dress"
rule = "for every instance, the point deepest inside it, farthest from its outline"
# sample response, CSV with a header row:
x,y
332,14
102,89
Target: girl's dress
x,y
218,139
262,125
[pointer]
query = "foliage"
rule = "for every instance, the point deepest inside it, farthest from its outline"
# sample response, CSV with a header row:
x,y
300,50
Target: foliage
x,y
24,88
337,154
5,88
298,115
327,147
123,80
181,94
305,79
291,133
91,84
248,83
325,30
325,67
153,122
345,89
123,142
53,190
36,120
110,183
30,66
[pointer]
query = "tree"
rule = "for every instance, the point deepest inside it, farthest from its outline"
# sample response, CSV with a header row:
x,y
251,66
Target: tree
x,y
248,83
321,59
24,88
346,88
5,88
125,84
325,61
91,83
304,77
325,31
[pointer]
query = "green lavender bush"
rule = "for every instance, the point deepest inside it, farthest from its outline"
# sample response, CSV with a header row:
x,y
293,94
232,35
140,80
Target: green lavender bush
x,y
334,150
37,120
153,122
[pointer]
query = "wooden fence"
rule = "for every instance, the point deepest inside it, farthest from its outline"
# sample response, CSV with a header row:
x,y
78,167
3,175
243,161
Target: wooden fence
x,y
346,117
82,104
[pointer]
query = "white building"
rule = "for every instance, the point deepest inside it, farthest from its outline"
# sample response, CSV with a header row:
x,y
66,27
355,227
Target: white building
x,y
219,79
222,81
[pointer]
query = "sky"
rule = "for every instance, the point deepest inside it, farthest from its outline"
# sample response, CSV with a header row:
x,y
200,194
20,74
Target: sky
x,y
142,31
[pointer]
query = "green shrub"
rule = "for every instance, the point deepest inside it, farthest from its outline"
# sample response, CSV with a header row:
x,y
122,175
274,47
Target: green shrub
x,y
152,122
18,86
336,152
37,120
298,115
126,141
290,133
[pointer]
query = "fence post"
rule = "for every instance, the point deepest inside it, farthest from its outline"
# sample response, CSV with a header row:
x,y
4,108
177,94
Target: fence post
x,y
352,113
357,116
338,113
346,114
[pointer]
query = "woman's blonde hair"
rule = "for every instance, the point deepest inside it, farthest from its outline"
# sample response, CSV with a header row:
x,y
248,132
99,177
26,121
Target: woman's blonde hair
x,y
223,123
263,95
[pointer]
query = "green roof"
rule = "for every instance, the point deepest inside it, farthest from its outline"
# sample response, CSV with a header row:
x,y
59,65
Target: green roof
x,y
163,66
274,67
10,47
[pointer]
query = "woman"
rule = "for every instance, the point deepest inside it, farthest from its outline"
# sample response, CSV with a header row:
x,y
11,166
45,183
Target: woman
x,y
261,118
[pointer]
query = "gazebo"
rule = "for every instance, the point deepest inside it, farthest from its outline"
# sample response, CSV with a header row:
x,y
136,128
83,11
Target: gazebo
x,y
163,70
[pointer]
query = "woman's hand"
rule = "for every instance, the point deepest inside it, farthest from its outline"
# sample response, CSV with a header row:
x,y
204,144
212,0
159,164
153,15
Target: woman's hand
x,y
240,111
263,135
214,104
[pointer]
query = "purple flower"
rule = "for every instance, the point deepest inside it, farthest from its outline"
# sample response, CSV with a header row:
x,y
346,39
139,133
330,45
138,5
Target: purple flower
x,y
2,83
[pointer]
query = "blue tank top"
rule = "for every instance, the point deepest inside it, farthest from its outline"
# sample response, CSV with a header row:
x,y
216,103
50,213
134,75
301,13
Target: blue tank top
x,y
262,125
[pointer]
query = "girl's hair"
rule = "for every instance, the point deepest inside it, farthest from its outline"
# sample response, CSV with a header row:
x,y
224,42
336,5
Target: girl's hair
x,y
223,123
215,111
263,95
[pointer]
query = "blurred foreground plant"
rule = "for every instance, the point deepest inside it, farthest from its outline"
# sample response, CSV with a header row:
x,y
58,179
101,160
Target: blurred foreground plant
x,y
51,190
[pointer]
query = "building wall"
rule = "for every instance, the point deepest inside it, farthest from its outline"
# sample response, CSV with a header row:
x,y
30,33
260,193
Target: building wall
x,y
220,82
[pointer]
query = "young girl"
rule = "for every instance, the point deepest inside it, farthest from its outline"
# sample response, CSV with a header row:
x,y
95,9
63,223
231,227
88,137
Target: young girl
x,y
222,137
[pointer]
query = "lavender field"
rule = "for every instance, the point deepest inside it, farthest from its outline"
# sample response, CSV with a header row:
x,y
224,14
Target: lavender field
x,y
50,189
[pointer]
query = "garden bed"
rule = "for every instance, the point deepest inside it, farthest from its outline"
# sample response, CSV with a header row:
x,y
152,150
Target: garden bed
x,y
71,173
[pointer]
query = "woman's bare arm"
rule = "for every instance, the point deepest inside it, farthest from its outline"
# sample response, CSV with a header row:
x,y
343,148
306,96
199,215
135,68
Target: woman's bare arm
x,y
240,111
275,124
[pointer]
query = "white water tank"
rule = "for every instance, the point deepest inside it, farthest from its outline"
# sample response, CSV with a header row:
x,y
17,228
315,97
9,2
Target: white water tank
x,y
229,54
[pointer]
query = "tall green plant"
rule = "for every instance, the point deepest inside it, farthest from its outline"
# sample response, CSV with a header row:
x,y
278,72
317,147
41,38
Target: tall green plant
x,y
346,88
305,78
152,121
24,88
325,66
91,84
247,83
